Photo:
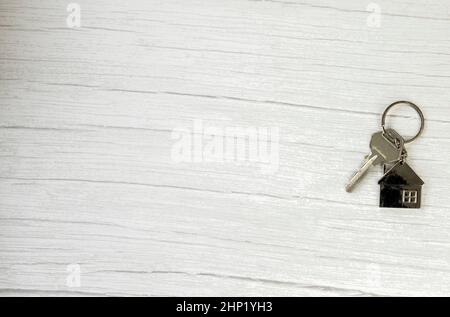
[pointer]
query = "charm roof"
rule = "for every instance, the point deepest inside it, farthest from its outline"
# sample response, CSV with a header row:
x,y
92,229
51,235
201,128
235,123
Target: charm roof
x,y
401,174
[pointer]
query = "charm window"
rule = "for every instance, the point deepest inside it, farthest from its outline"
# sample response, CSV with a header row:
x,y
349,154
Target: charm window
x,y
410,196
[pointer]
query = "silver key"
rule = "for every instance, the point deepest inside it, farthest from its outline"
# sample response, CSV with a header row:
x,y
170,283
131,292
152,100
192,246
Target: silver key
x,y
385,148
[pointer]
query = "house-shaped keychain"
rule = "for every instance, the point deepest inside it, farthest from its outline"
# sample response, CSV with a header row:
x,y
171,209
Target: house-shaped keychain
x,y
400,187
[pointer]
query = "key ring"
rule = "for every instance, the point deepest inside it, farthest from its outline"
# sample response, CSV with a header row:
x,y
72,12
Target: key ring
x,y
412,105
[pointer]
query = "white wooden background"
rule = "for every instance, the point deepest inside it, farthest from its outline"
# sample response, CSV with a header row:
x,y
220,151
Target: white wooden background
x,y
87,178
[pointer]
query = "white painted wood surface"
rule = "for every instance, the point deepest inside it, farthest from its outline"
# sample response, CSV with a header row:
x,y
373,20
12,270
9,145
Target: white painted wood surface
x,y
87,177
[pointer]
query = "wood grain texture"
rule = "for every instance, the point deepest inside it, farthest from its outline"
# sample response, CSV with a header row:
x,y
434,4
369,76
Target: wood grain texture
x,y
86,174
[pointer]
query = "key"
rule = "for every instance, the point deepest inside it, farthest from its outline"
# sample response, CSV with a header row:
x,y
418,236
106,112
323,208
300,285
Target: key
x,y
385,148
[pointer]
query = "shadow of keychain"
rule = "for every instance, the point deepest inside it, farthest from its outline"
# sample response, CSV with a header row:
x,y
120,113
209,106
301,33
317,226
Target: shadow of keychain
x,y
400,187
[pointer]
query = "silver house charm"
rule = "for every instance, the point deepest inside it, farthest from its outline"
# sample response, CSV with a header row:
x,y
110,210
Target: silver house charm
x,y
400,187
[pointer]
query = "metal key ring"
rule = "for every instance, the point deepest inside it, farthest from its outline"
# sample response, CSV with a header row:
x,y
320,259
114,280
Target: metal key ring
x,y
415,107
